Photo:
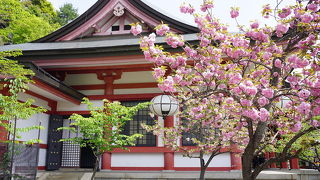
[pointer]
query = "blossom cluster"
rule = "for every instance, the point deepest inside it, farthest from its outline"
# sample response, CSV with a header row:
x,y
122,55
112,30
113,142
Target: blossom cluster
x,y
236,81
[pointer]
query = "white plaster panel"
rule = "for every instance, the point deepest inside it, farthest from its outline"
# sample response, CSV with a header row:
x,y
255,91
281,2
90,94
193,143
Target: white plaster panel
x,y
42,157
137,160
38,102
222,160
67,106
137,91
135,77
82,79
36,119
92,92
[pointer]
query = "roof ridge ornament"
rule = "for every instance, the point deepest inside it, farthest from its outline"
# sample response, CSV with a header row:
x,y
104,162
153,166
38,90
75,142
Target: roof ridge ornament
x,y
118,10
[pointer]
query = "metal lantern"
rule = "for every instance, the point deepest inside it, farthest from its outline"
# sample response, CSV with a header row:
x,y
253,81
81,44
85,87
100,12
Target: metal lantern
x,y
164,105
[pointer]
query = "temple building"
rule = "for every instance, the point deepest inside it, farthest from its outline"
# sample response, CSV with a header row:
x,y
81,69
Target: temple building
x,y
95,56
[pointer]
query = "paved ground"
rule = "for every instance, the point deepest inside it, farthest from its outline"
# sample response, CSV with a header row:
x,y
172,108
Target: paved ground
x,y
176,175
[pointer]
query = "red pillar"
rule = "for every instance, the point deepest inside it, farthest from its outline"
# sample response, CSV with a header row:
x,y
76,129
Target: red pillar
x,y
266,155
284,164
294,163
106,161
235,158
169,156
271,155
3,132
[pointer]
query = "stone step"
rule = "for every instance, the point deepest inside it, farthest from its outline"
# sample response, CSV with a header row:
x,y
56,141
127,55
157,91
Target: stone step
x,y
65,176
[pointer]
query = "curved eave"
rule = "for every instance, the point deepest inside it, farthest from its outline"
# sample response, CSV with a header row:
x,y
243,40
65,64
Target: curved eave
x,y
93,10
185,28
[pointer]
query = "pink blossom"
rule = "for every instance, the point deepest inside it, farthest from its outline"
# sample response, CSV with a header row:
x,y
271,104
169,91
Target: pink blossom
x,y
284,12
267,55
306,18
278,63
245,102
304,108
316,111
264,114
167,85
236,90
268,92
296,127
252,114
136,29
177,78
234,12
251,91
235,78
158,72
255,25
281,29
263,101
315,123
229,100
304,94
162,29
228,135
206,5
187,9
175,40
190,52
312,7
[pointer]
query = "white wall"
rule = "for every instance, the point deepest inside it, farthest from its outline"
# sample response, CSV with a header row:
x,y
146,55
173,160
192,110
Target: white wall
x,y
137,91
38,102
135,77
222,160
82,79
137,160
42,157
33,134
66,106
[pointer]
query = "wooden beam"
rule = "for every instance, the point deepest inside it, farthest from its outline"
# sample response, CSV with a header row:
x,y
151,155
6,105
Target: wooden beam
x,y
124,97
117,86
93,69
55,91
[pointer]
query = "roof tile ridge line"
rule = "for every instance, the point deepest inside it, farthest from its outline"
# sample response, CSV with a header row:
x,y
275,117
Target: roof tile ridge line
x,y
73,24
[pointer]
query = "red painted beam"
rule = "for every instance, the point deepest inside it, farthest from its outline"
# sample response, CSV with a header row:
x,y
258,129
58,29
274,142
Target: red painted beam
x,y
71,112
124,97
90,60
116,86
55,91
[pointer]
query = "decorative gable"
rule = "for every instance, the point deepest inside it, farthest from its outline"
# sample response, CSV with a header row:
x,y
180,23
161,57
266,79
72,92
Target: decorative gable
x,y
113,17
116,23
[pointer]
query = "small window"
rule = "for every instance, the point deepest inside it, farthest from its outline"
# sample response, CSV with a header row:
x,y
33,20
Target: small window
x,y
115,28
127,27
134,126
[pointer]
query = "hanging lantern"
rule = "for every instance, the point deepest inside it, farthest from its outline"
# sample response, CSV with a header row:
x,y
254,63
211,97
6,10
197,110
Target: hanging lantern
x,y
164,105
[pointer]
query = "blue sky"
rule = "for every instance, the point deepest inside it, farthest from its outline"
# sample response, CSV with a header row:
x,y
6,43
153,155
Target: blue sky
x,y
249,9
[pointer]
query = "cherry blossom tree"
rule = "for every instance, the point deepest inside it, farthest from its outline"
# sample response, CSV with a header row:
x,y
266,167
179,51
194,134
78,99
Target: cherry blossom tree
x,y
258,89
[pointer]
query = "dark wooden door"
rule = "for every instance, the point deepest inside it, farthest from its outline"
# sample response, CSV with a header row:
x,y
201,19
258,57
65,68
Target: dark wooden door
x,y
54,150
87,158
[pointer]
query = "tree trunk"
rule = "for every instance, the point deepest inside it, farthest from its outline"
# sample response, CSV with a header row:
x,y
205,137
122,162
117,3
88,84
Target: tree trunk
x,y
203,170
202,166
246,167
95,168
